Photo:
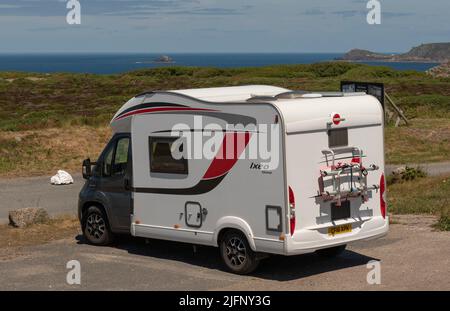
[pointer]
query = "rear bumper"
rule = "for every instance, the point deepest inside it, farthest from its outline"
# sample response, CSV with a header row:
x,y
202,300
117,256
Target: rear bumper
x,y
309,240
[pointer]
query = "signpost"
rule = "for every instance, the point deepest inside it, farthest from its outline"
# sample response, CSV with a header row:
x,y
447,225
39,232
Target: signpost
x,y
374,89
377,90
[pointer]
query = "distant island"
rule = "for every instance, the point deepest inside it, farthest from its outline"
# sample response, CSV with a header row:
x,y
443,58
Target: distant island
x,y
164,59
431,52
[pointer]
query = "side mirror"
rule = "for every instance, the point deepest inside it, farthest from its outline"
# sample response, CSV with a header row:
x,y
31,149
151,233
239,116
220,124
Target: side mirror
x,y
86,170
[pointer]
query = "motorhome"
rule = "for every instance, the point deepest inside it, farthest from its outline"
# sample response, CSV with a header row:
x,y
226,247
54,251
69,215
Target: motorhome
x,y
253,170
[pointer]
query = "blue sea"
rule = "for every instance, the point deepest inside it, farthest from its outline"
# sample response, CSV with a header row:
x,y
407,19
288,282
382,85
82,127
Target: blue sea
x,y
118,63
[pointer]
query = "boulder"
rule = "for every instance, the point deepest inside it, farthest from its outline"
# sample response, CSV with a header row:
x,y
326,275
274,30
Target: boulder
x,y
399,170
27,216
61,178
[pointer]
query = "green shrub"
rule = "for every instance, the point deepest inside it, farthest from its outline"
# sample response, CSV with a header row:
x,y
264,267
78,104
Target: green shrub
x,y
405,174
331,69
444,223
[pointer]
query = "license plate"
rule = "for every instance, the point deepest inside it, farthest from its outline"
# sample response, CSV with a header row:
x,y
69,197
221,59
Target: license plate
x,y
332,231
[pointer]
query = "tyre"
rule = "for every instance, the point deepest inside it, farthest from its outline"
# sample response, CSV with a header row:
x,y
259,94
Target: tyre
x,y
96,227
332,251
236,253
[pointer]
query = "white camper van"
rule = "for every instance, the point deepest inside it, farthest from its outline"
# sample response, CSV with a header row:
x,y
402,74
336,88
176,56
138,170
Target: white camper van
x,y
253,170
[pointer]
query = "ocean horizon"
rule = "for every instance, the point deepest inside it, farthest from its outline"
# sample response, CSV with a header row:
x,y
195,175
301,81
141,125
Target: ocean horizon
x,y
112,63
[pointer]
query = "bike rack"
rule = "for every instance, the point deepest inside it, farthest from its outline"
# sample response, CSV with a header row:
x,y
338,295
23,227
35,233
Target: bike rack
x,y
337,170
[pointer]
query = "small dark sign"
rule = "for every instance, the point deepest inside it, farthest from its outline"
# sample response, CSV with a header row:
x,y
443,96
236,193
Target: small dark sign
x,y
374,89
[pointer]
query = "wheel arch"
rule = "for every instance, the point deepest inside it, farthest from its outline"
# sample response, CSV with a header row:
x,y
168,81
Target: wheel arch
x,y
227,223
98,204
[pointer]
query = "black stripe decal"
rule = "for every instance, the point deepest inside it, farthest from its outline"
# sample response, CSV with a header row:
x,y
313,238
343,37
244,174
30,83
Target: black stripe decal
x,y
204,186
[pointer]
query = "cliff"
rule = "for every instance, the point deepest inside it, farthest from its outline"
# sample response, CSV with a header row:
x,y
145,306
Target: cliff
x,y
431,52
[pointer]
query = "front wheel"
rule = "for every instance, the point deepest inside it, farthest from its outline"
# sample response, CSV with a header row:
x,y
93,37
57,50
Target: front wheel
x,y
236,253
96,227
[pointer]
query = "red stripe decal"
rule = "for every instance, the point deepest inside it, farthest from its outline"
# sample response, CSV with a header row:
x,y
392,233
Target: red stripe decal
x,y
149,110
233,145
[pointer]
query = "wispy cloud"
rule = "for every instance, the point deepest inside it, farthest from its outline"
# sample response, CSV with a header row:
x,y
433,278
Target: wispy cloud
x,y
9,6
208,11
118,8
313,12
349,13
384,14
220,25
397,14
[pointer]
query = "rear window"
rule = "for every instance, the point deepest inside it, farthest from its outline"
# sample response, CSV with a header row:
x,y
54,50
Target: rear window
x,y
161,159
338,138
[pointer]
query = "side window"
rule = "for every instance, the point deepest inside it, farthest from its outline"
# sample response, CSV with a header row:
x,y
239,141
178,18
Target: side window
x,y
161,156
121,156
107,161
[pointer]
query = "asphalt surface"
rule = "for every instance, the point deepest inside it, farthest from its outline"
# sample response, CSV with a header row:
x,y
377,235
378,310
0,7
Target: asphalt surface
x,y
38,192
413,257
432,169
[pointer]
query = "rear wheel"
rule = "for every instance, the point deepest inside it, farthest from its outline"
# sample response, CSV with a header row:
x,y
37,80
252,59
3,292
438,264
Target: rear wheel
x,y
332,251
96,227
236,253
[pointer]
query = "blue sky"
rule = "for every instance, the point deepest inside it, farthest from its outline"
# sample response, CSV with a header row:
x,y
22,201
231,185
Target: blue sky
x,y
29,26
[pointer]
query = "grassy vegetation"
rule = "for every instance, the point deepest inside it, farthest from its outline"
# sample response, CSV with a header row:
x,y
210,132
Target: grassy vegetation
x,y
38,152
55,229
32,101
429,195
425,140
38,111
444,221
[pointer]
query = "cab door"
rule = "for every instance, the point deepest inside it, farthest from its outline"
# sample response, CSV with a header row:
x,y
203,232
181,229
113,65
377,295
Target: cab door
x,y
115,181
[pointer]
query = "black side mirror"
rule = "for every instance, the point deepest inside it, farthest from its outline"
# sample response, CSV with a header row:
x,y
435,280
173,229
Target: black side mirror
x,y
86,170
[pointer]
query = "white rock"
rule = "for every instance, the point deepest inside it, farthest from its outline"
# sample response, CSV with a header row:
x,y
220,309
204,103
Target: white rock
x,y
61,178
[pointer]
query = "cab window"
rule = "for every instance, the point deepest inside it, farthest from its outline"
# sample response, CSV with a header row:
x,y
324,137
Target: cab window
x,y
116,158
107,162
121,156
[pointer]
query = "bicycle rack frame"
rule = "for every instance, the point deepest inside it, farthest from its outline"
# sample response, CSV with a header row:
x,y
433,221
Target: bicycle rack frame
x,y
355,170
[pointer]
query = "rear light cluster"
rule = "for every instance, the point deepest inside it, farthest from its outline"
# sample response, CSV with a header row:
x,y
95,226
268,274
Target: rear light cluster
x,y
292,210
382,196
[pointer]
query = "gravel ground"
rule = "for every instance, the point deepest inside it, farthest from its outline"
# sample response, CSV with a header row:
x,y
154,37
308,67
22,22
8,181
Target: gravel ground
x,y
413,257
38,192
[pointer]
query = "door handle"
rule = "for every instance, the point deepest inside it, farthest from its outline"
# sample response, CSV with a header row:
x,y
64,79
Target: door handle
x,y
126,183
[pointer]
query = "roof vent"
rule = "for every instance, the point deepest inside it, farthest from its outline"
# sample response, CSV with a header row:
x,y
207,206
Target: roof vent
x,y
258,98
291,95
312,95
